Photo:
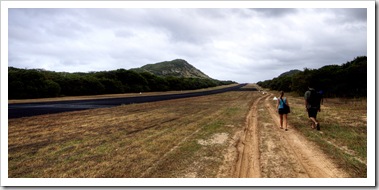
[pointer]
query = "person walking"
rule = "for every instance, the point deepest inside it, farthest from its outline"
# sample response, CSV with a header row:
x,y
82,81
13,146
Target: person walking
x,y
283,109
312,105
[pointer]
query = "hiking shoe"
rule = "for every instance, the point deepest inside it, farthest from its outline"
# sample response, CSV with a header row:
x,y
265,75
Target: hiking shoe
x,y
318,126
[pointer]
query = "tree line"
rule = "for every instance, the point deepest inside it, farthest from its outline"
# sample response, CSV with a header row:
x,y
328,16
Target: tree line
x,y
38,83
346,80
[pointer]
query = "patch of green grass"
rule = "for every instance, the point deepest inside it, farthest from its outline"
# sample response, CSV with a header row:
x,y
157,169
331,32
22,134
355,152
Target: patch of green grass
x,y
347,136
211,128
354,167
231,111
177,161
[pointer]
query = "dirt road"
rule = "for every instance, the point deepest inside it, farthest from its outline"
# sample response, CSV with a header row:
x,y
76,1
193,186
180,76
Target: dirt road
x,y
265,150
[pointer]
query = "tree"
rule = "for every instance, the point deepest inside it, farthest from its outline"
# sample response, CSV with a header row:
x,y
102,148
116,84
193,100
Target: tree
x,y
112,86
346,80
53,89
38,83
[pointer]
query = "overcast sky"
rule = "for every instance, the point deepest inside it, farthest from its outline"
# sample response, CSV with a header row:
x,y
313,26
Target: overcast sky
x,y
243,45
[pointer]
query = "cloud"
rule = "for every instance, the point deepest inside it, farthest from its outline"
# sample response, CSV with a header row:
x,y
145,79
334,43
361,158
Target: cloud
x,y
274,12
244,45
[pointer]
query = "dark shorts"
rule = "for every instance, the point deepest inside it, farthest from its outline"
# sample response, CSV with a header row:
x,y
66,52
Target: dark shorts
x,y
312,112
282,111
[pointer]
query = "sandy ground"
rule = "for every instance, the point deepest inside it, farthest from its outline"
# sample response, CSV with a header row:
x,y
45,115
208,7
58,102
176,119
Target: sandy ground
x,y
266,151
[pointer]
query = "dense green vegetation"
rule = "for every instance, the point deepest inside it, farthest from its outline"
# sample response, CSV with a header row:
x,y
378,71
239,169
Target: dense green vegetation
x,y
346,80
37,83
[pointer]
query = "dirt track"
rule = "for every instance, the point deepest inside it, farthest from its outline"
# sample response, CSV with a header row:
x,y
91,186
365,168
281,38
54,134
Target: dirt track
x,y
265,150
248,149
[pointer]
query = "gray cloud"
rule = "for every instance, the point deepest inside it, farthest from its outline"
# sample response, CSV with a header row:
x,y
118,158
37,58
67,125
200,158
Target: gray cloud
x,y
274,12
245,45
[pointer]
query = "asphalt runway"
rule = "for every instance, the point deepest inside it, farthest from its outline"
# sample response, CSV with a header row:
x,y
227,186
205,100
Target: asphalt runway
x,y
33,109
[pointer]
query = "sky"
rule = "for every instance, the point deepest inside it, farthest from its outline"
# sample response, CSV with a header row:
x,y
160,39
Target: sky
x,y
240,44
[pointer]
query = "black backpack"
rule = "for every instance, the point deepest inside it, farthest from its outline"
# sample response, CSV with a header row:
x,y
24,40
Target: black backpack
x,y
314,99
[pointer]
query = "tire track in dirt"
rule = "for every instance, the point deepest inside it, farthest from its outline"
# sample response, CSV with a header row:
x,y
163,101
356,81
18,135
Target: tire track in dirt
x,y
310,157
248,164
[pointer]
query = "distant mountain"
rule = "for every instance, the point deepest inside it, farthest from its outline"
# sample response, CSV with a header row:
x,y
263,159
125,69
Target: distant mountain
x,y
177,68
290,73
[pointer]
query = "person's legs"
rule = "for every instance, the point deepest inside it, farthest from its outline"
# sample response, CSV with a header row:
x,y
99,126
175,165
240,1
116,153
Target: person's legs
x,y
281,120
312,113
317,124
285,123
314,122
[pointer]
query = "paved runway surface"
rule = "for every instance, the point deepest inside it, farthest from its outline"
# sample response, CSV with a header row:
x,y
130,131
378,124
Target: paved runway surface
x,y
32,109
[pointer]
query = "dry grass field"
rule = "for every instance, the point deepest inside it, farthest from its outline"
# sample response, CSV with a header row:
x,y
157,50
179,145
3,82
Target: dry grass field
x,y
199,137
176,138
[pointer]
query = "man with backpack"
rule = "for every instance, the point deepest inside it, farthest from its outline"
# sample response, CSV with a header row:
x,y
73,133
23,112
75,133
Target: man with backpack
x,y
312,105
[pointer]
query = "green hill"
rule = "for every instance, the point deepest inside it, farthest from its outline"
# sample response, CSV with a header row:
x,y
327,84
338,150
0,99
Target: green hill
x,y
176,68
290,73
